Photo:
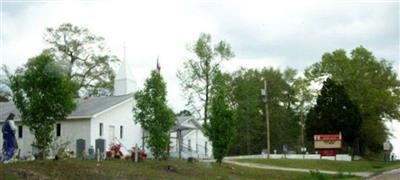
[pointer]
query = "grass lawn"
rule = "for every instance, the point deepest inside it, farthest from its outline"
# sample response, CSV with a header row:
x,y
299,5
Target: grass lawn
x,y
150,169
353,166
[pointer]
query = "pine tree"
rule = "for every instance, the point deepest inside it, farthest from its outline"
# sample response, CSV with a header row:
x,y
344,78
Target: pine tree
x,y
334,113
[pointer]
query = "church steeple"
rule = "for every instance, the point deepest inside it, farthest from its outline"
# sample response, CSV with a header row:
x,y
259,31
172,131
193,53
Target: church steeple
x,y
124,82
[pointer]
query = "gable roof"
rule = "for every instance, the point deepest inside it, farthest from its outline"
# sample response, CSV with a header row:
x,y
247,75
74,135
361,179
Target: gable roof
x,y
186,124
86,108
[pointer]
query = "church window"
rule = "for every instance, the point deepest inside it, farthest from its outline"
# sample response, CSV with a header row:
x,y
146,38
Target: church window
x,y
58,130
205,148
20,131
101,129
121,132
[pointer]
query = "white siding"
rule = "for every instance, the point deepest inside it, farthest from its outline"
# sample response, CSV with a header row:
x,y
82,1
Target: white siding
x,y
120,115
25,142
197,139
71,130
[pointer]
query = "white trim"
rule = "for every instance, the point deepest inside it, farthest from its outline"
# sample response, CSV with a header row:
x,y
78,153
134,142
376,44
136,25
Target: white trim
x,y
78,117
88,117
112,107
15,120
68,117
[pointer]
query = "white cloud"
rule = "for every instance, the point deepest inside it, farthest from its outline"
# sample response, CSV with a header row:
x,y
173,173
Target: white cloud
x,y
256,63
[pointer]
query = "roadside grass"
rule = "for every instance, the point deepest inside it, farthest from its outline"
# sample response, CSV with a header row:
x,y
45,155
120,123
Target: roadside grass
x,y
340,166
150,169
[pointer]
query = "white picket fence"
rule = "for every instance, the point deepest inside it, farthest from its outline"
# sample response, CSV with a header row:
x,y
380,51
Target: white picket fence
x,y
339,157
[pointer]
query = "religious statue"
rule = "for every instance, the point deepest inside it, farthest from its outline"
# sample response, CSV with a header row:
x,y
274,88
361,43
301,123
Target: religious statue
x,y
9,141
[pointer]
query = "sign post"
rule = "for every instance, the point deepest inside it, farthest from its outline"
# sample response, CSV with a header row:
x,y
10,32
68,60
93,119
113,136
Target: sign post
x,y
386,148
264,95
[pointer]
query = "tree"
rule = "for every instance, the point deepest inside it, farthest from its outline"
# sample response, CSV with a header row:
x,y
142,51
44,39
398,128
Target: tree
x,y
221,127
84,57
304,97
184,113
197,74
249,110
5,94
5,91
370,83
334,113
153,114
43,94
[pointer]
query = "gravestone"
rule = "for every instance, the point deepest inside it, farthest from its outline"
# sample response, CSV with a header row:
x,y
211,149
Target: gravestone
x,y
91,152
100,146
80,147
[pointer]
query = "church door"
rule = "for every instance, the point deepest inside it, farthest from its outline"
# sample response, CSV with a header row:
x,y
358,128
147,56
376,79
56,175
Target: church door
x,y
111,134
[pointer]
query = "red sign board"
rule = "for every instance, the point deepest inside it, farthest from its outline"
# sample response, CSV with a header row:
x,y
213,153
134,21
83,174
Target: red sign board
x,y
328,141
328,137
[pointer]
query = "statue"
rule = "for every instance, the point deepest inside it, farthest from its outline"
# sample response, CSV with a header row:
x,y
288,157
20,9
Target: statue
x,y
10,143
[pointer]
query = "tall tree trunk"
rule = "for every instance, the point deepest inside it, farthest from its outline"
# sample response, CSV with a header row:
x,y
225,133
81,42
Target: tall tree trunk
x,y
206,101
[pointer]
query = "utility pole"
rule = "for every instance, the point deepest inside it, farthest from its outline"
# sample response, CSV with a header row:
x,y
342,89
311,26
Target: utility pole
x,y
302,128
264,94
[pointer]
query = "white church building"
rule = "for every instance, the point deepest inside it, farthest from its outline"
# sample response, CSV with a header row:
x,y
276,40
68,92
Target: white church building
x,y
107,120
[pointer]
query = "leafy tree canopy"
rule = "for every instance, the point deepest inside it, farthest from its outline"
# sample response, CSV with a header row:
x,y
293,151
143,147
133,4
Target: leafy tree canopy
x,y
153,114
43,94
371,84
221,127
249,110
197,74
84,57
184,113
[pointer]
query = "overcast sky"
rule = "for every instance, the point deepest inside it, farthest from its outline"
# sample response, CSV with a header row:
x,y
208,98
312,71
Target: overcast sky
x,y
279,34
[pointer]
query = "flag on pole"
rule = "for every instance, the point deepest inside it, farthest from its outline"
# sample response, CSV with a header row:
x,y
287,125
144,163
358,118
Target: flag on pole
x,y
158,66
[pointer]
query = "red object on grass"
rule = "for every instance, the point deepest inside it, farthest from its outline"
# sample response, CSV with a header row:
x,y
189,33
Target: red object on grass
x,y
114,151
327,152
141,154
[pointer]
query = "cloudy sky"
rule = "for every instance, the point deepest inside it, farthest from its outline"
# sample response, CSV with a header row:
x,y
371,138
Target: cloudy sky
x,y
279,34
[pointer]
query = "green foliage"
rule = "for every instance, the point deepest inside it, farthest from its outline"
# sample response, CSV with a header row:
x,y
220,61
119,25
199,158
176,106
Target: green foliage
x,y
334,113
250,109
371,84
317,175
150,169
346,167
153,114
184,113
304,97
43,94
221,127
5,92
84,57
197,74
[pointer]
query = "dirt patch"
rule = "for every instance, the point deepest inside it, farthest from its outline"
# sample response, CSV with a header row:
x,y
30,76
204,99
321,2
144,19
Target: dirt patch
x,y
170,168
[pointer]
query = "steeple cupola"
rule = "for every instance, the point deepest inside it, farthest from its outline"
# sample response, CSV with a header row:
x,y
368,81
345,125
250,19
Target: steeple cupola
x,y
124,82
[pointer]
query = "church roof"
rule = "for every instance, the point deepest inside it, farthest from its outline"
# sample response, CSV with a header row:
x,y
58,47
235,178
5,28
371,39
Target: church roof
x,y
86,108
186,124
